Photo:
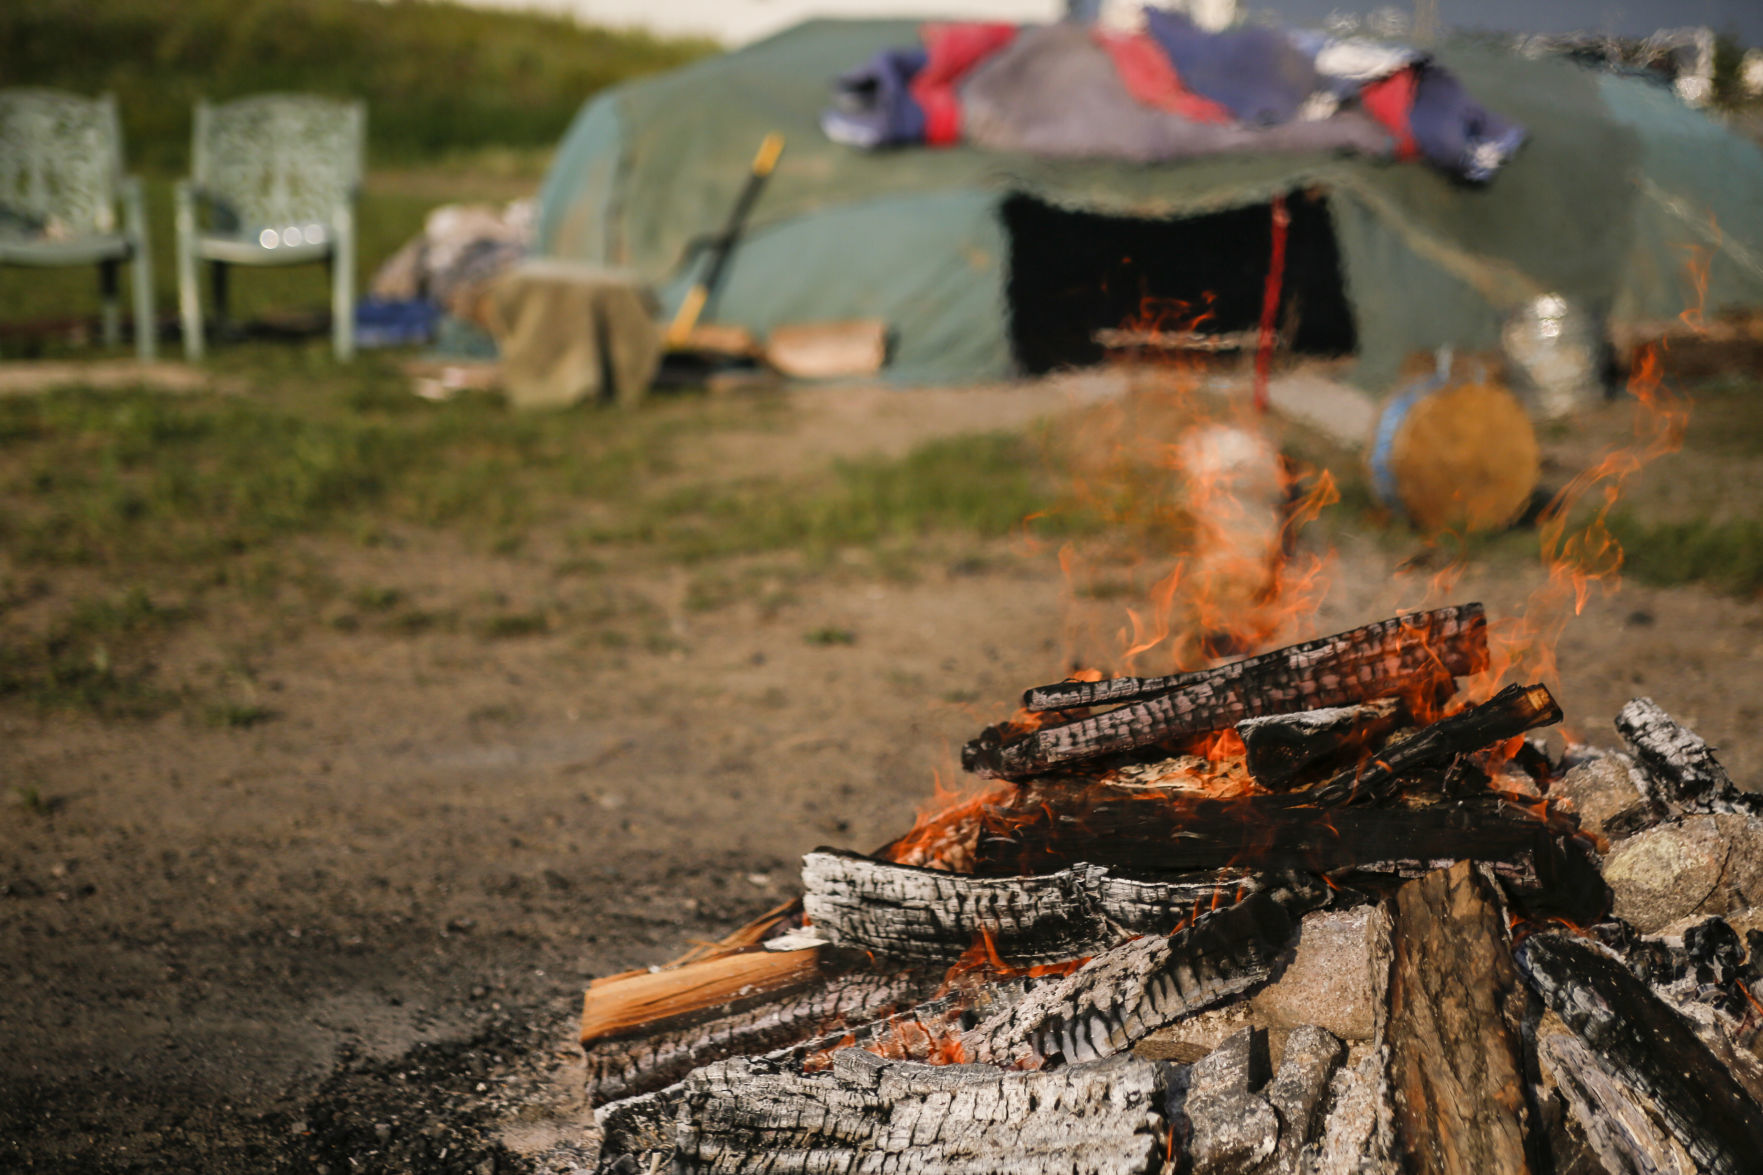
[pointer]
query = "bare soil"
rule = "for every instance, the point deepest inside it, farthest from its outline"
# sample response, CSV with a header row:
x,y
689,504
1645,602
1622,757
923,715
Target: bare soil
x,y
353,938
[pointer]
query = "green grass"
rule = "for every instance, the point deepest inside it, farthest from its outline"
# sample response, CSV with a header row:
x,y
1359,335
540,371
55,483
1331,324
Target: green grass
x,y
1727,555
438,78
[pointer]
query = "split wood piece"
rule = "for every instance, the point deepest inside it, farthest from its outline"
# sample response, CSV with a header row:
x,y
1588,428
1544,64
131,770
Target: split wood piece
x,y
873,1115
1679,764
931,915
1413,654
1507,714
1120,996
1456,635
1280,748
1649,1049
1622,1131
1456,1005
633,1000
647,1056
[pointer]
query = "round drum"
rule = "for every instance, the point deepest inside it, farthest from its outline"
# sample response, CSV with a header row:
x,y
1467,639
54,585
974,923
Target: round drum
x,y
1455,454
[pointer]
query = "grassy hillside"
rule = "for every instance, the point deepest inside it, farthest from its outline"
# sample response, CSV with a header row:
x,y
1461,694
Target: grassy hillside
x,y
438,78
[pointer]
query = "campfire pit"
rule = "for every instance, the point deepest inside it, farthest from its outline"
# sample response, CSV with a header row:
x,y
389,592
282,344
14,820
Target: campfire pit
x,y
1137,951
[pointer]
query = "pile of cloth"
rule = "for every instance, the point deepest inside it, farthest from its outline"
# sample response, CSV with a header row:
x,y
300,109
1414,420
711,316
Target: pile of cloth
x,y
1169,91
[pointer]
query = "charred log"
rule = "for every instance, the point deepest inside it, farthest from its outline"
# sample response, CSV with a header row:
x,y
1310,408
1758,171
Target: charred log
x,y
1117,998
870,1114
1282,748
1649,1050
1456,1004
1677,762
931,915
645,1055
1507,714
1413,654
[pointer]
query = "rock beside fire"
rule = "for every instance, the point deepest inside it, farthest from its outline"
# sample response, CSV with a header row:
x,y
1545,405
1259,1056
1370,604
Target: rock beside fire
x,y
1605,796
1330,981
1693,865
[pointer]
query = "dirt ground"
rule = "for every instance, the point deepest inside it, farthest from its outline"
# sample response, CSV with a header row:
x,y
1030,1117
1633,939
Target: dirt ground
x,y
354,938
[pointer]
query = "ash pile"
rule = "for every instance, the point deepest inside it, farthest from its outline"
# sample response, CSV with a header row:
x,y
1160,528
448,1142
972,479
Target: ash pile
x,y
1309,912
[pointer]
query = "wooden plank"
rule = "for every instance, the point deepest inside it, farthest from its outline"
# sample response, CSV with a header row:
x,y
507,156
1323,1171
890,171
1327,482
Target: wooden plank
x,y
1456,1060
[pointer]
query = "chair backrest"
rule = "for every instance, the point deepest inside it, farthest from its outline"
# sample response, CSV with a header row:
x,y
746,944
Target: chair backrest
x,y
60,164
274,160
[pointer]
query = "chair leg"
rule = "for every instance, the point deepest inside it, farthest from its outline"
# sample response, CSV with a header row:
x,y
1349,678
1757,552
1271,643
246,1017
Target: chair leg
x,y
111,314
146,319
343,286
189,293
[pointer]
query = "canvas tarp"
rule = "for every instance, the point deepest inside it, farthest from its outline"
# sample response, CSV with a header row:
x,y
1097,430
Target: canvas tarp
x,y
1585,210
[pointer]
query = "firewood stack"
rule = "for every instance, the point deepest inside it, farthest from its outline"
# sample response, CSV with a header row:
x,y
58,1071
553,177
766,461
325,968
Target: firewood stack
x,y
1302,913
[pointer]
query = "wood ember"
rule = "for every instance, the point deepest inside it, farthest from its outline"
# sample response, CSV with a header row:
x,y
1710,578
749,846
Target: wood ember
x,y
1507,714
1648,1049
1280,748
1679,764
649,1056
930,915
1406,655
1455,1006
868,1114
1122,995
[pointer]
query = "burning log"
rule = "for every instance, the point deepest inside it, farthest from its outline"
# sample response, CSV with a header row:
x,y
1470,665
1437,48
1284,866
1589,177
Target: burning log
x,y
871,1114
1647,1051
645,1030
931,915
1509,713
1123,994
1411,654
1280,748
1454,1013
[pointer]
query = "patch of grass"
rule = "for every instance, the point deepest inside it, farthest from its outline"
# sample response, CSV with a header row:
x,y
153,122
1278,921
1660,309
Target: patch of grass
x,y
1728,555
30,798
95,657
506,625
983,485
234,715
437,77
830,635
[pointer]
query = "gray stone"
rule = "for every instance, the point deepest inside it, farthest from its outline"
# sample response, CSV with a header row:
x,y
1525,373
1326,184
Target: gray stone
x,y
1601,788
1693,865
1329,982
1233,1129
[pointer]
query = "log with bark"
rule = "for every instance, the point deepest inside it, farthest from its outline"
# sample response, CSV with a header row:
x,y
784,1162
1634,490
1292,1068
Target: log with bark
x,y
1280,750
1415,654
934,916
1678,764
1455,1010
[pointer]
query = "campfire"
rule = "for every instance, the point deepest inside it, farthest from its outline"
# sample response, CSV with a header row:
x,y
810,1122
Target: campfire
x,y
1310,911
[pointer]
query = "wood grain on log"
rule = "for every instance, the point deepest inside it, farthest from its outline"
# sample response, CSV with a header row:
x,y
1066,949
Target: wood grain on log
x,y
636,1000
1407,654
1280,748
1619,1127
1648,1048
1509,713
1117,998
1455,1008
874,1115
931,915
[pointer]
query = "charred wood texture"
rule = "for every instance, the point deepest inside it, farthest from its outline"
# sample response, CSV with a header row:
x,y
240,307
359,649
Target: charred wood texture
x,y
1455,1008
1117,998
1282,748
1407,654
1679,764
1620,1129
874,1115
1644,1046
1509,713
1045,829
647,1055
931,915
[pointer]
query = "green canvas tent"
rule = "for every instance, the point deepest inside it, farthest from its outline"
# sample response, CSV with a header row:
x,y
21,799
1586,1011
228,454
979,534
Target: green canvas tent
x,y
986,265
